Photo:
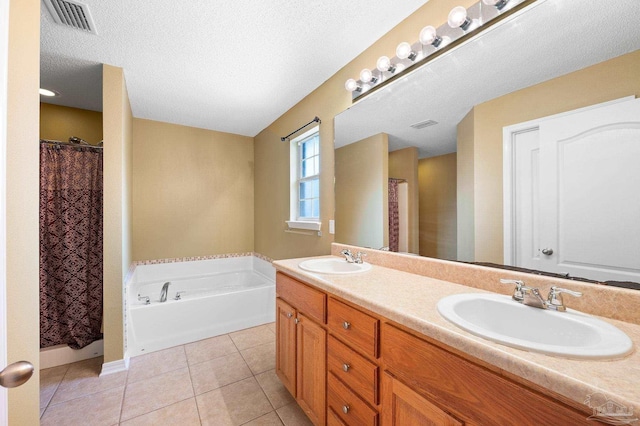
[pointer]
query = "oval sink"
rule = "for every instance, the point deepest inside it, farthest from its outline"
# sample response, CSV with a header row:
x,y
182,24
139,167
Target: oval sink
x,y
570,334
333,266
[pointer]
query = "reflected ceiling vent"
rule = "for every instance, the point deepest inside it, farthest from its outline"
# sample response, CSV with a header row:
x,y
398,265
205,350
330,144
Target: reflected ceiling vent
x,y
423,124
71,14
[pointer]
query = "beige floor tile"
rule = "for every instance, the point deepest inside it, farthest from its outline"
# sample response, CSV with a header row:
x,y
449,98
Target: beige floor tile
x,y
252,337
278,395
83,379
272,326
292,415
260,358
148,395
205,350
50,379
270,419
183,413
98,409
151,365
234,404
219,372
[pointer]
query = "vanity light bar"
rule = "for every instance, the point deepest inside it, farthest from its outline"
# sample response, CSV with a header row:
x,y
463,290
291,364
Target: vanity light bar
x,y
462,25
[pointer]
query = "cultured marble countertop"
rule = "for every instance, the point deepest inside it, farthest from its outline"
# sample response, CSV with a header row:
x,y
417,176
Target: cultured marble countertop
x,y
411,300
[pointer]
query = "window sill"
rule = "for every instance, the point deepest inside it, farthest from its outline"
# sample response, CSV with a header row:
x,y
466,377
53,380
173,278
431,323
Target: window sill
x,y
306,225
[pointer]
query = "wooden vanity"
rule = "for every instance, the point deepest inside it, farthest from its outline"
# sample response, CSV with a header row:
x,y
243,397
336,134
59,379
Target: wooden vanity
x,y
349,365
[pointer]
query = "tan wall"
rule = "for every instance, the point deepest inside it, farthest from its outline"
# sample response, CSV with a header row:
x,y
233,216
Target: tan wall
x,y
606,81
22,198
118,137
465,193
329,99
192,191
403,164
438,220
60,122
362,192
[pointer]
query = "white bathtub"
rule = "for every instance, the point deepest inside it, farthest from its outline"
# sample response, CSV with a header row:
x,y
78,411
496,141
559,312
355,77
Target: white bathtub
x,y
220,296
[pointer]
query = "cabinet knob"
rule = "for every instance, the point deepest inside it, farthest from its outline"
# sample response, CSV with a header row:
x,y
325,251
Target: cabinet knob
x,y
346,325
297,321
547,251
345,367
345,409
289,314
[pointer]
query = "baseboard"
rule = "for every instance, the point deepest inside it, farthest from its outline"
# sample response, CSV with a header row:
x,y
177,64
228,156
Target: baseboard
x,y
114,367
63,354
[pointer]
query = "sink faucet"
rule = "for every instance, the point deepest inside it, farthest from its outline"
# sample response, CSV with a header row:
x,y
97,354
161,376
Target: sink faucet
x,y
351,258
531,296
164,291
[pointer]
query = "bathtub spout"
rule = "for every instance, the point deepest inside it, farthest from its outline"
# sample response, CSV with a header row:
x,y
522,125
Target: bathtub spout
x,y
164,291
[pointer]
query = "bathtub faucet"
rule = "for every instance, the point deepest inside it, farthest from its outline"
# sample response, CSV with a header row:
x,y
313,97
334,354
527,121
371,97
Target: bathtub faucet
x,y
164,291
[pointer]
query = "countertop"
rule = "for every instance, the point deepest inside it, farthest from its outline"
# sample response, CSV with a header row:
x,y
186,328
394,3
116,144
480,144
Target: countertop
x,y
411,300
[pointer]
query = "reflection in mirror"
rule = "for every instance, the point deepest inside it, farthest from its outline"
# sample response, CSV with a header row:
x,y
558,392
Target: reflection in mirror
x,y
547,61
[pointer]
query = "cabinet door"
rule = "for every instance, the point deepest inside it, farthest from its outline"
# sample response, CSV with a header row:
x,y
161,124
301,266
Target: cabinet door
x,y
402,406
311,380
286,345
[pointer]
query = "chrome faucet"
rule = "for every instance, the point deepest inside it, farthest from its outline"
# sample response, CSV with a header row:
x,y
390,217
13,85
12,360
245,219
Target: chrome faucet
x,y
531,296
164,291
351,258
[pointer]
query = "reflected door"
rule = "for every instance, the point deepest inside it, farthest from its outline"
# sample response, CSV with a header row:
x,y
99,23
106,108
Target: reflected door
x,y
577,202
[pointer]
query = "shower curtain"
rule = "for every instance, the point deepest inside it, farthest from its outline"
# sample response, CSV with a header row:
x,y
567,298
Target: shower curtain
x,y
394,215
70,245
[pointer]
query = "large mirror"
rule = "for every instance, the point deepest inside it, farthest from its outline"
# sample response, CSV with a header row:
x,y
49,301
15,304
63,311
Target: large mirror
x,y
434,141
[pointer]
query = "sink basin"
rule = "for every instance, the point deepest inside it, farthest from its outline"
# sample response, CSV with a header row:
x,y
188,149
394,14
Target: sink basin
x,y
569,334
333,266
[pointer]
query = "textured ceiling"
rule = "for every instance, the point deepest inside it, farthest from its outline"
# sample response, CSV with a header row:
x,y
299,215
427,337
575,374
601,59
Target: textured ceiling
x,y
227,65
553,38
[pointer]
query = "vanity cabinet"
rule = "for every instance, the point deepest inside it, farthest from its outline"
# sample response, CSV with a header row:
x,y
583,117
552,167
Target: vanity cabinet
x,y
301,342
349,366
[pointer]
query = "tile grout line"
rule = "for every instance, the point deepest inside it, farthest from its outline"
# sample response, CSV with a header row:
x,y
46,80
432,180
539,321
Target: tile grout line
x,y
195,399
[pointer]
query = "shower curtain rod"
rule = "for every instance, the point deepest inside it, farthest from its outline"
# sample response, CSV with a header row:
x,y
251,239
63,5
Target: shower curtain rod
x,y
77,145
315,120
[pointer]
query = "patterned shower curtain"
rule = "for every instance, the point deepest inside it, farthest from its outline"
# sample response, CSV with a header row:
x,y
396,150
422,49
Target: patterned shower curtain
x,y
394,215
70,245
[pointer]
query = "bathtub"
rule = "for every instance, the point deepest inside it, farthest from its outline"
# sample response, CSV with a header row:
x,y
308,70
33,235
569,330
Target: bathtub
x,y
217,296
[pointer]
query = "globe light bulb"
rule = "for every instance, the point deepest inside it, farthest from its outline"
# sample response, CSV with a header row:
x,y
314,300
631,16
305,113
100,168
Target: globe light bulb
x,y
458,18
403,51
428,35
366,75
351,85
384,64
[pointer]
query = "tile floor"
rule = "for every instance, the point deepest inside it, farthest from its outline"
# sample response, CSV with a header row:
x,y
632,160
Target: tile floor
x,y
225,380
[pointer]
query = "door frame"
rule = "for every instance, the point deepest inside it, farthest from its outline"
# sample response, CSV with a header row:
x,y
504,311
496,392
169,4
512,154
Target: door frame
x,y
508,172
4,56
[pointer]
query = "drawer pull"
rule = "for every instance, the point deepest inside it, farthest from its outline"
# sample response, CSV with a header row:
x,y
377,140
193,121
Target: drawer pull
x,y
289,314
346,325
345,409
297,321
345,367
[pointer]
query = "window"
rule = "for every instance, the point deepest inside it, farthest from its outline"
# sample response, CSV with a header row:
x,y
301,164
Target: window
x,y
305,181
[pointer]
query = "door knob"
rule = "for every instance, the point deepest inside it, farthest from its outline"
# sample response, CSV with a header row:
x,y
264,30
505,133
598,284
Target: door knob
x,y
16,374
547,251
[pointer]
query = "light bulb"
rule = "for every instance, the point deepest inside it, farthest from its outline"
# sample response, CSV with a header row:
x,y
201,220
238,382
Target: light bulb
x,y
499,4
366,75
384,64
46,92
352,86
458,18
428,35
403,51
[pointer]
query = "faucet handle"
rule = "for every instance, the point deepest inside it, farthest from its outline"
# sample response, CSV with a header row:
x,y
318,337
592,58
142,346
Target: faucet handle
x,y
179,295
144,299
555,297
359,256
518,294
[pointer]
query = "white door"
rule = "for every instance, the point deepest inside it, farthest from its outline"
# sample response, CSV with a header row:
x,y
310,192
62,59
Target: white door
x,y
587,211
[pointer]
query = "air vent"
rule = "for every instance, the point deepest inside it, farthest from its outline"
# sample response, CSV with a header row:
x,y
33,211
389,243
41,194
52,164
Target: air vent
x,y
71,14
423,124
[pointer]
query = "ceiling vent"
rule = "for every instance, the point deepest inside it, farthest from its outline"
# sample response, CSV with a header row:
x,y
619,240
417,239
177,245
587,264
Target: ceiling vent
x,y
423,124
71,14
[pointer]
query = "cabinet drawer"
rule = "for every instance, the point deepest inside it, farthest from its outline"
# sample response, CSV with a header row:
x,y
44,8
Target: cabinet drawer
x,y
358,373
305,299
333,419
353,326
347,405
